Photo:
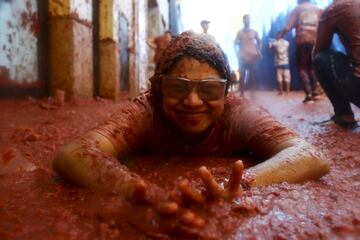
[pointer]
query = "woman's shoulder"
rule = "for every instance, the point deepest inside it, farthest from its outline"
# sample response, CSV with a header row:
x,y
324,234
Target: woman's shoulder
x,y
245,113
137,109
252,121
235,103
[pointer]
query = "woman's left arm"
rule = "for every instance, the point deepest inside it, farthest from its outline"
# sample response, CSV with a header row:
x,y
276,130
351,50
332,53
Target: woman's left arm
x,y
289,158
293,161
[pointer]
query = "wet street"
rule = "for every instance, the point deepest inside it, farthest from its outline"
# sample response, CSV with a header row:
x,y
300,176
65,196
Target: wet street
x,y
36,204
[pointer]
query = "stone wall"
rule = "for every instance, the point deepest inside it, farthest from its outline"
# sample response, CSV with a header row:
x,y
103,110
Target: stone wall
x,y
142,56
109,72
156,17
19,29
135,13
71,44
137,44
69,48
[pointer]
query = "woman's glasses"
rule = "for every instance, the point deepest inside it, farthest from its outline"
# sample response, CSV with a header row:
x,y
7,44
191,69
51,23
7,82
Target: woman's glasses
x,y
207,89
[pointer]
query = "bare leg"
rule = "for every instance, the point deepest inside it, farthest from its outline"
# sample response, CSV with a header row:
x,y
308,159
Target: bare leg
x,y
287,84
252,79
280,88
279,78
314,85
287,79
242,81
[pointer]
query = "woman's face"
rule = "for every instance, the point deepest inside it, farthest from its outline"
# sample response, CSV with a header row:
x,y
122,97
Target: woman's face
x,y
193,106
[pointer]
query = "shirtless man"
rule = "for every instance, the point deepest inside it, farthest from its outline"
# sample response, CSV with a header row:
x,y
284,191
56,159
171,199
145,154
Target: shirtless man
x,y
159,44
339,74
304,18
281,47
247,47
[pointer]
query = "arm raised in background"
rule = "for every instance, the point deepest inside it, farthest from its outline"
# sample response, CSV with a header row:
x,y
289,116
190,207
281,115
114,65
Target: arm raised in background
x,y
288,157
291,23
91,160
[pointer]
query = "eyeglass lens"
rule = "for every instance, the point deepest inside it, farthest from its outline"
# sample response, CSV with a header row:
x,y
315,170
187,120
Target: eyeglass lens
x,y
207,90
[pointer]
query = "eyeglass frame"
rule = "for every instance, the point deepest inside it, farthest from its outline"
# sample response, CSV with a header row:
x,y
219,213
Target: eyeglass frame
x,y
194,83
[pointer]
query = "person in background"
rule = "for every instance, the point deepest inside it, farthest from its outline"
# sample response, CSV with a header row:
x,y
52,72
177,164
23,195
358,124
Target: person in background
x,y
304,18
234,76
281,47
248,50
205,27
338,73
159,44
187,112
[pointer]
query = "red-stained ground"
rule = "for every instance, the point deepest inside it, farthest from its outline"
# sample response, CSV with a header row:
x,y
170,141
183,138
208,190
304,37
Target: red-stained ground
x,y
36,204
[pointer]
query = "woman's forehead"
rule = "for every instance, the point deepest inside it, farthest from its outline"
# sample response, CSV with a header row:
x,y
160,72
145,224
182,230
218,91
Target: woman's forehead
x,y
193,68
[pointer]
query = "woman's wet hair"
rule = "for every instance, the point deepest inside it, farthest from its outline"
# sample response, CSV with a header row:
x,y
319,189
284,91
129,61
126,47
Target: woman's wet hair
x,y
190,44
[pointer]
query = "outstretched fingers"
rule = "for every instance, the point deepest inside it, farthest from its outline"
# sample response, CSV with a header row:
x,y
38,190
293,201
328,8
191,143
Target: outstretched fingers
x,y
186,218
137,192
167,208
234,186
212,187
189,192
191,219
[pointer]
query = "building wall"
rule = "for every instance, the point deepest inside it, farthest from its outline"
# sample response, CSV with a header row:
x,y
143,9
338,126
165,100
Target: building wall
x,y
156,17
155,28
18,42
142,56
136,13
83,48
83,61
110,68
71,44
127,9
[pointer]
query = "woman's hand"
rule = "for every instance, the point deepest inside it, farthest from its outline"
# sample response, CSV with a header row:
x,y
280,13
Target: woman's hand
x,y
178,203
213,188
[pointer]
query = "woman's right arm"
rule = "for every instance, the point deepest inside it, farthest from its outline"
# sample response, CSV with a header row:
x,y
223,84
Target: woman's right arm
x,y
91,160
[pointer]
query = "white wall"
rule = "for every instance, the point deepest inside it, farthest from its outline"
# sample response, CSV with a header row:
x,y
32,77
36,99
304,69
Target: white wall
x,y
18,41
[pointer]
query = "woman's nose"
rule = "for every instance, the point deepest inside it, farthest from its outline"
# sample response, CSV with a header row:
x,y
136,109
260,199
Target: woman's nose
x,y
193,99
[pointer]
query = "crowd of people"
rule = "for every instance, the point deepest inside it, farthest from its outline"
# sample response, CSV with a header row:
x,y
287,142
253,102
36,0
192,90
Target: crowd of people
x,y
188,111
248,47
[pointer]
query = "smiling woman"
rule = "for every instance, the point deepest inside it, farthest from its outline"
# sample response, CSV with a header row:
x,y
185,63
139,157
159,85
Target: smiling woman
x,y
193,109
178,116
